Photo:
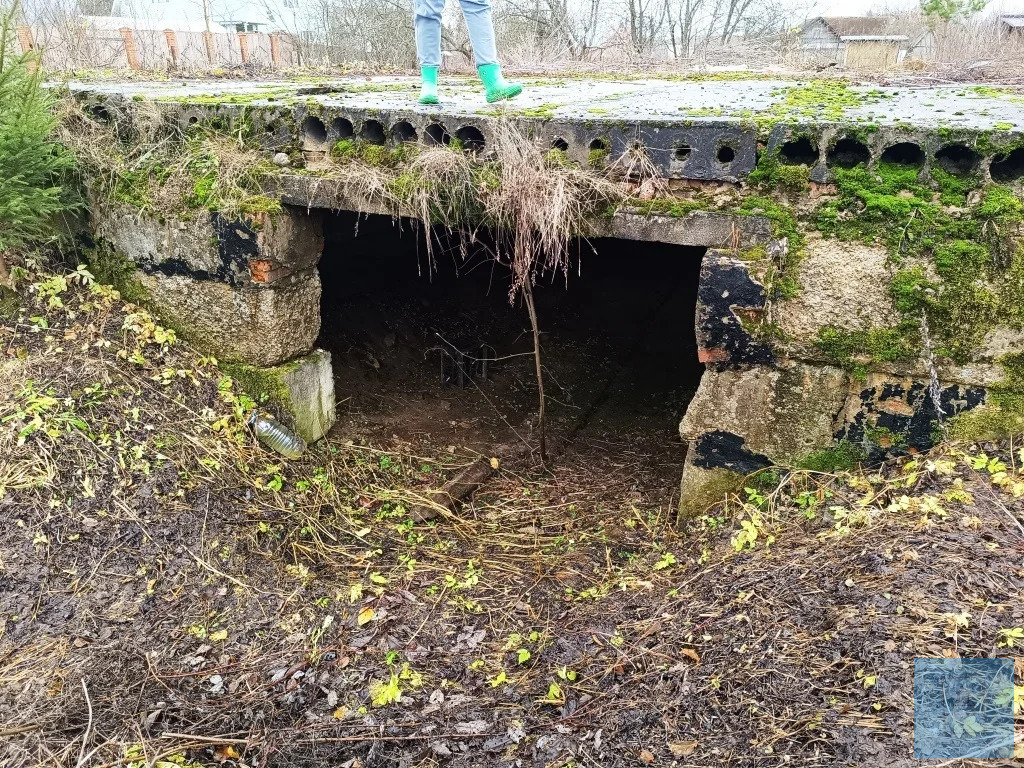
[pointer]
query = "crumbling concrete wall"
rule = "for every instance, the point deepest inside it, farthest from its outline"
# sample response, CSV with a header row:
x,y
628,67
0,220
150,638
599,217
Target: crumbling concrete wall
x,y
246,290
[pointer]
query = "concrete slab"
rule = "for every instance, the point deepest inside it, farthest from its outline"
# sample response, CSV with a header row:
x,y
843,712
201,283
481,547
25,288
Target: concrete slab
x,y
610,99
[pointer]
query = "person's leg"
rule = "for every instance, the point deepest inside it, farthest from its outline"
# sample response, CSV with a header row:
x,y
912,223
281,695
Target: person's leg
x,y
481,35
427,22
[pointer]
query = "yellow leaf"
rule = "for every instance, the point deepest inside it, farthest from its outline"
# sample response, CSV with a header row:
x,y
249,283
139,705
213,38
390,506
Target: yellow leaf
x,y
972,726
355,593
494,463
219,636
682,748
227,752
366,615
340,713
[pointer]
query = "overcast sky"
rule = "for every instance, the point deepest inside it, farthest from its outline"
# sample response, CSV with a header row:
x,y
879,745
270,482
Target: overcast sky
x,y
860,7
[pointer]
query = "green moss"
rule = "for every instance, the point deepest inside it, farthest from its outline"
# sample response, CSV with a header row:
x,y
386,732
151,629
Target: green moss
x,y
841,457
1002,415
1003,126
772,173
265,385
782,279
598,158
854,351
113,268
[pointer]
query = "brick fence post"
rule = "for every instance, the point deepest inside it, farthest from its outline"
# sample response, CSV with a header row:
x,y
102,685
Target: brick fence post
x,y
210,50
172,46
243,45
25,38
129,48
275,50
28,45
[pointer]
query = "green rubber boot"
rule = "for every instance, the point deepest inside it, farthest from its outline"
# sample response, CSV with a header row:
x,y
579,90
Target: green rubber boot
x,y
497,88
428,91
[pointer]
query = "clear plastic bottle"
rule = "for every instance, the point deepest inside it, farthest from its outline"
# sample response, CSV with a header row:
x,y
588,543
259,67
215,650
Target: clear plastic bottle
x,y
276,436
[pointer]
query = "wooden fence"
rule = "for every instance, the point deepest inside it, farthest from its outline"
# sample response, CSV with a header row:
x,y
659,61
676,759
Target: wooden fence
x,y
76,47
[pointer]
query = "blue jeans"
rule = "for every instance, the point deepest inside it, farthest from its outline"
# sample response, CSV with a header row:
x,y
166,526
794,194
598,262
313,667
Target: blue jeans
x,y
478,22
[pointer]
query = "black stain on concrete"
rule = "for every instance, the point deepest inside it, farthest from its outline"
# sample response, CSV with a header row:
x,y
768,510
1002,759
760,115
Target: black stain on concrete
x,y
236,245
905,416
726,450
725,287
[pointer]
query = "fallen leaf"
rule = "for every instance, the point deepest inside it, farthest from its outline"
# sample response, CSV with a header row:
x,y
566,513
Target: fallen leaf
x,y
691,654
227,752
682,748
647,757
340,713
219,636
366,615
494,463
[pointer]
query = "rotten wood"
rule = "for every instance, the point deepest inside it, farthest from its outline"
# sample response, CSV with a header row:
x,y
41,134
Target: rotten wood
x,y
455,491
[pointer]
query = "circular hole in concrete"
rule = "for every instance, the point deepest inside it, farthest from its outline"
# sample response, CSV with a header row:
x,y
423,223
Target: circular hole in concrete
x,y
402,131
957,159
904,153
682,151
342,128
471,137
848,153
192,120
725,154
372,132
560,144
314,133
800,151
1008,167
599,145
436,135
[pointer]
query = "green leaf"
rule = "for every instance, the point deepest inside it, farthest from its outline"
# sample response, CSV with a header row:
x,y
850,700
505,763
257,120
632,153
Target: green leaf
x,y
522,655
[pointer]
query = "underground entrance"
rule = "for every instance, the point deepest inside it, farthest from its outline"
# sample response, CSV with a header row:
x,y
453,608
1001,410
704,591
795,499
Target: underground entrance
x,y
434,354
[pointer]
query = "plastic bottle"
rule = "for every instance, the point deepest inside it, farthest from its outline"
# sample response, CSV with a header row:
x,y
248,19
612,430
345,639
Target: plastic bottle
x,y
276,436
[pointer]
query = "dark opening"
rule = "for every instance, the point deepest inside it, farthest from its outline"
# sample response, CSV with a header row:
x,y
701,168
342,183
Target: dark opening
x,y
617,381
957,159
560,144
904,153
726,154
599,145
436,135
471,137
403,131
848,153
372,132
342,128
682,151
1008,167
100,113
798,152
314,134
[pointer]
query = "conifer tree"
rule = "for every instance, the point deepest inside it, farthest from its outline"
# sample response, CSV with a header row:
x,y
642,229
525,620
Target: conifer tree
x,y
31,163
